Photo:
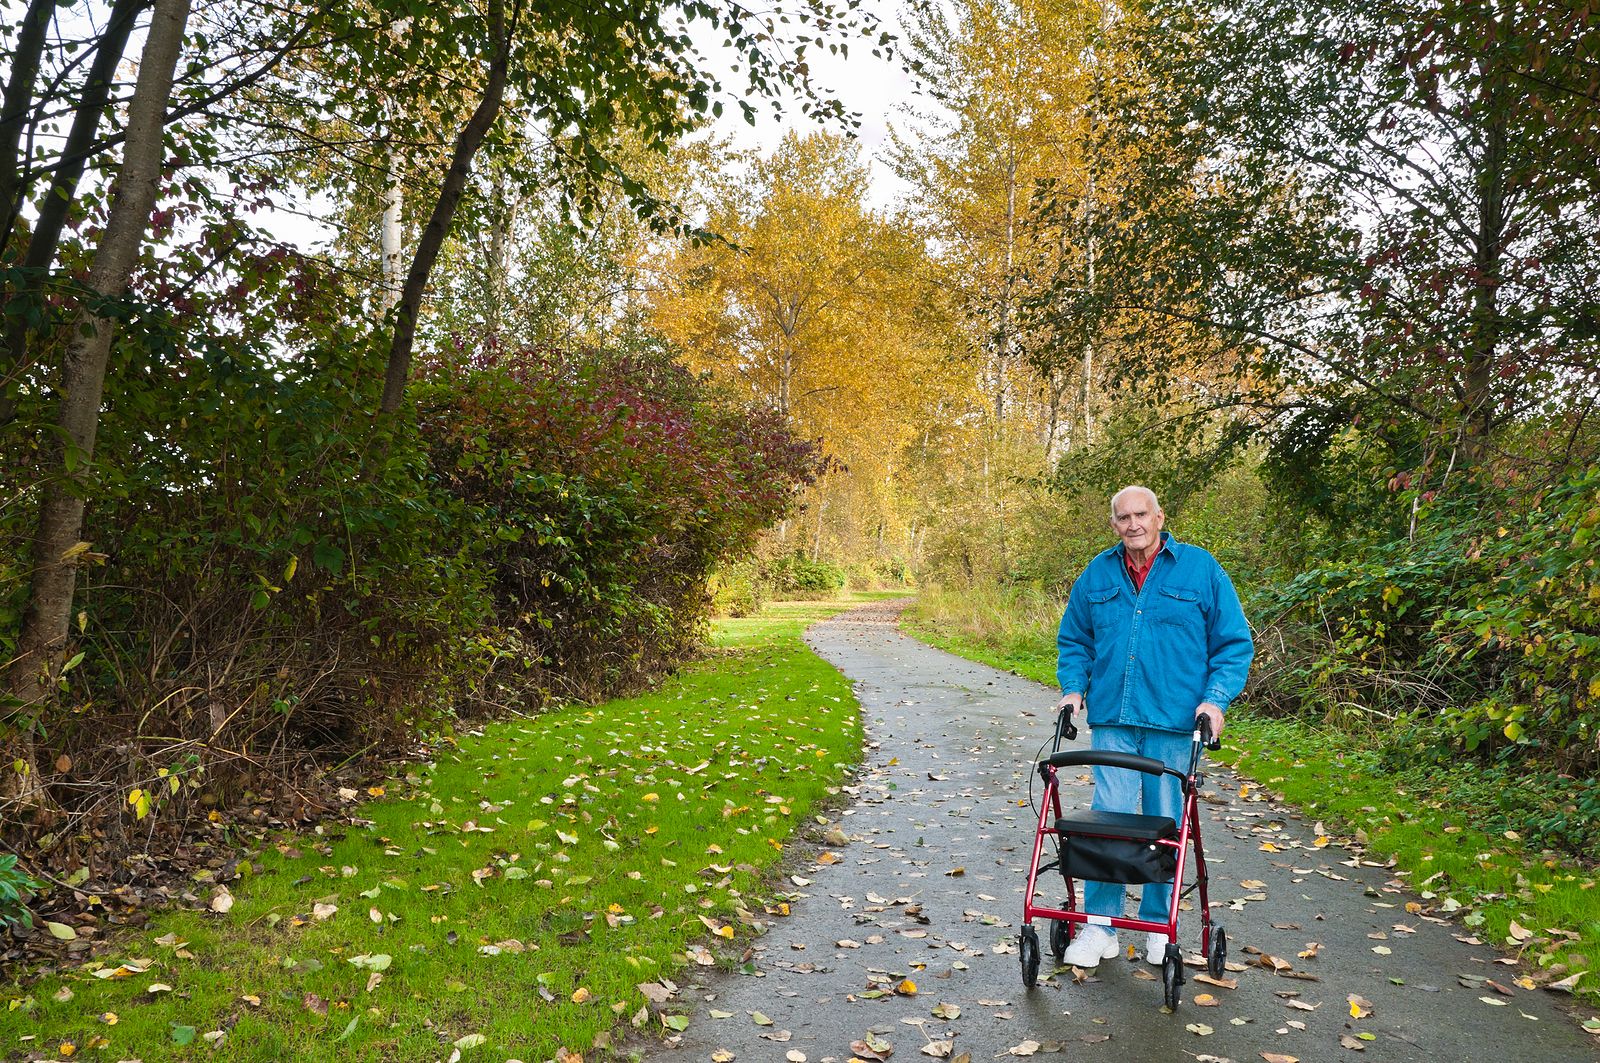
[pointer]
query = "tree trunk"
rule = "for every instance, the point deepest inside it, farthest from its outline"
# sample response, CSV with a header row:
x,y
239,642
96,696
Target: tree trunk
x,y
25,57
1478,397
468,141
35,669
391,239
1004,341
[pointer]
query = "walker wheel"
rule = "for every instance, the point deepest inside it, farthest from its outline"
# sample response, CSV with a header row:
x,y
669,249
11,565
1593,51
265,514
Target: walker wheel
x,y
1171,976
1028,952
1060,936
1217,955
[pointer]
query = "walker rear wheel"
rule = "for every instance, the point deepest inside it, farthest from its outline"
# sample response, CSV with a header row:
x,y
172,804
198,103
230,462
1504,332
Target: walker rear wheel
x,y
1028,952
1060,936
1217,955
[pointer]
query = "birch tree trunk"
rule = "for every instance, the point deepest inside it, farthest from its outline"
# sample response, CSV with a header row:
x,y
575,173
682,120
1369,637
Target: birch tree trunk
x,y
34,671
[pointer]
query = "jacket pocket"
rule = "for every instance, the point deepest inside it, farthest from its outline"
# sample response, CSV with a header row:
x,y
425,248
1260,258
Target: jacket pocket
x,y
1100,597
1177,605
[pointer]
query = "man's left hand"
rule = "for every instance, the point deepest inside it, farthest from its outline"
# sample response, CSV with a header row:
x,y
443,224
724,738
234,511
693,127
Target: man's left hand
x,y
1212,713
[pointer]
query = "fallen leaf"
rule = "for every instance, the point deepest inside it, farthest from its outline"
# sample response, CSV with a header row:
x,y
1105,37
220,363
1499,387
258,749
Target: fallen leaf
x,y
1026,1048
1351,1043
760,1019
1200,1029
938,1049
1225,983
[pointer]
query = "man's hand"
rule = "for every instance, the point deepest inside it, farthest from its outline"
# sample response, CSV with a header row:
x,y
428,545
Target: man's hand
x,y
1070,704
1212,713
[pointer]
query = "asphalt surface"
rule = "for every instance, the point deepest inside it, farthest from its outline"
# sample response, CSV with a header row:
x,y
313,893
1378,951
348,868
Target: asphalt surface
x,y
929,891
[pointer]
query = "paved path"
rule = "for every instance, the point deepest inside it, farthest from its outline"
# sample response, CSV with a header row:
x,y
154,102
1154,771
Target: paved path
x,y
951,748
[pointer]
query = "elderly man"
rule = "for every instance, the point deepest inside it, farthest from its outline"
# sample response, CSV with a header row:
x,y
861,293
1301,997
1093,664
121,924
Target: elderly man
x,y
1152,639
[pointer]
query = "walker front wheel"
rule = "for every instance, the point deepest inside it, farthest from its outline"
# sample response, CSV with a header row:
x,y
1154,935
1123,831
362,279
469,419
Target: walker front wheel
x,y
1028,952
1171,976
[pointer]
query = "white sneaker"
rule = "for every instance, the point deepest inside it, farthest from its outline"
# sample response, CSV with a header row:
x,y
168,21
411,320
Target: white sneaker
x,y
1155,948
1090,945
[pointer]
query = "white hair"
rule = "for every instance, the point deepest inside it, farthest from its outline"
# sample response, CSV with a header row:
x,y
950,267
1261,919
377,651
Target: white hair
x,y
1155,503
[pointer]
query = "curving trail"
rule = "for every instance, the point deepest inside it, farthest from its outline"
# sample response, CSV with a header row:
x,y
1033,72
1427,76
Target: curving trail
x,y
951,747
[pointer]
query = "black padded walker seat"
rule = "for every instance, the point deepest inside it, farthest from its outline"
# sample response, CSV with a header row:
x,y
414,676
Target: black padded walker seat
x,y
1119,824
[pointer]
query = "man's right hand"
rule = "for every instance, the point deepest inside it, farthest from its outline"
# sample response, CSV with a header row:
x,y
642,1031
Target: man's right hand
x,y
1070,704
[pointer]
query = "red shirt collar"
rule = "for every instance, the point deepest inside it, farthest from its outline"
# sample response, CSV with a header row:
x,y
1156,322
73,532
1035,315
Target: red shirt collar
x,y
1138,572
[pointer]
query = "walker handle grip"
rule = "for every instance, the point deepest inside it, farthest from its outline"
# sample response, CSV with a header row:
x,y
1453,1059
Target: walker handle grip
x,y
1064,725
1207,739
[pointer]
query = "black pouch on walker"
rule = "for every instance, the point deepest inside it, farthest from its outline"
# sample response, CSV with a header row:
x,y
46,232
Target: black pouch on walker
x,y
1117,847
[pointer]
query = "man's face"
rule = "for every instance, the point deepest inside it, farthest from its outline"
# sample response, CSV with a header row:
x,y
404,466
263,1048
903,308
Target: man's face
x,y
1138,522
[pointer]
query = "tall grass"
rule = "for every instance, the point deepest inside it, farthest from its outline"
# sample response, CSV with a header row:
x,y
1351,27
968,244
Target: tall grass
x,y
1013,625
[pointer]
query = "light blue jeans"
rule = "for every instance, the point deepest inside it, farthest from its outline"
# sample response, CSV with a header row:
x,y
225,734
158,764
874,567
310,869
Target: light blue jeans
x,y
1124,790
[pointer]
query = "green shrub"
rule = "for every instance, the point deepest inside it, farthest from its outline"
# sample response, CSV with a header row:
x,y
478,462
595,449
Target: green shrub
x,y
882,573
15,888
798,576
1529,626
739,589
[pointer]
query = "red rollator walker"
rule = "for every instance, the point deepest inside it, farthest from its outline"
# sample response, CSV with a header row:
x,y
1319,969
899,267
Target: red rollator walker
x,y
1120,847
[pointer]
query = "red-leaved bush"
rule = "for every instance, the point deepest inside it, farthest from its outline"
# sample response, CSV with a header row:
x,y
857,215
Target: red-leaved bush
x,y
603,490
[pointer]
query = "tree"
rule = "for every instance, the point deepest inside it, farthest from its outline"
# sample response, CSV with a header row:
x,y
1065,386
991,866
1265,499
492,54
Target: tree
x,y
1362,205
57,551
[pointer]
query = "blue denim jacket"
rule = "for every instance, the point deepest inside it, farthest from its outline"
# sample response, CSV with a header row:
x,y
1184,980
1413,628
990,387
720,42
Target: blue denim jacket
x,y
1147,658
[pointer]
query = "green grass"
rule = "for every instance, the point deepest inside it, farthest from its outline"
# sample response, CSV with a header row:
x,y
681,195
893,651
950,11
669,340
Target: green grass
x,y
1431,822
518,888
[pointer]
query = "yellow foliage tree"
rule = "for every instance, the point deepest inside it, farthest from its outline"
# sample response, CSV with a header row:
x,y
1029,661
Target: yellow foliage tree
x,y
821,308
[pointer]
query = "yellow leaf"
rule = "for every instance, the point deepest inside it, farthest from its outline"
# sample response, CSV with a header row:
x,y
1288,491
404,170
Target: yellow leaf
x,y
907,988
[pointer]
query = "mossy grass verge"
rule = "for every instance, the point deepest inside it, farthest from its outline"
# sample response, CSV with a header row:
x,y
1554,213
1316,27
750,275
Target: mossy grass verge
x,y
1439,826
505,899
